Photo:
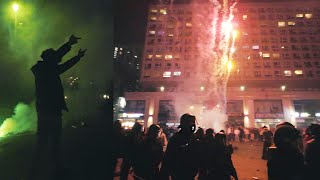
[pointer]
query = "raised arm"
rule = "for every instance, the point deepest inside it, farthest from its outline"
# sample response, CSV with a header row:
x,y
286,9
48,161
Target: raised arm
x,y
66,47
71,62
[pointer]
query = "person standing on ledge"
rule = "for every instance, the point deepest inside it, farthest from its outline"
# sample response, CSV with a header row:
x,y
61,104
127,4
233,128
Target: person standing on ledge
x,y
50,101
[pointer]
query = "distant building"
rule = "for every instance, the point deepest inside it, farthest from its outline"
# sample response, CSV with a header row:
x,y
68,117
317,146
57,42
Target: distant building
x,y
273,52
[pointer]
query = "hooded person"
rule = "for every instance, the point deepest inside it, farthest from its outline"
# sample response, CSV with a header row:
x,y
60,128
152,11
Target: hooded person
x,y
181,157
224,166
312,149
286,161
149,155
50,101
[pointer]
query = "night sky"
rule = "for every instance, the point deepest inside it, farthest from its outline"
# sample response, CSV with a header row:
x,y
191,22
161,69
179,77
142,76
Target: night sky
x,y
48,24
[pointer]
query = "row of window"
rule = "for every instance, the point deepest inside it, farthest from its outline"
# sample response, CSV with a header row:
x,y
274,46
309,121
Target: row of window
x,y
153,26
282,32
170,11
278,64
282,38
170,18
158,65
165,74
294,51
256,74
293,47
170,49
277,17
285,73
279,10
170,57
255,56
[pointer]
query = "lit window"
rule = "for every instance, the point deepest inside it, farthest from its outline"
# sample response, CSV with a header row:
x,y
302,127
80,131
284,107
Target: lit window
x,y
291,23
276,56
152,32
146,74
170,35
150,56
154,10
168,57
308,16
178,73
298,72
255,47
158,56
299,15
287,73
277,73
244,17
153,18
157,65
267,55
163,11
281,24
188,24
167,74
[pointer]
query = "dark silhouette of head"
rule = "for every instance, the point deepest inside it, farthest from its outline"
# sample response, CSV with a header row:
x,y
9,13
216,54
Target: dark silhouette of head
x,y
188,123
313,130
50,55
209,131
221,139
200,133
286,137
154,131
137,128
117,125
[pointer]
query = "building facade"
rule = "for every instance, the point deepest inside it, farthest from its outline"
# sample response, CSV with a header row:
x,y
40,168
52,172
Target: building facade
x,y
276,63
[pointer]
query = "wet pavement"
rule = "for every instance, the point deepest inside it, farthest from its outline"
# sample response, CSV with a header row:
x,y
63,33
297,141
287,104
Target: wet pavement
x,y
84,154
246,159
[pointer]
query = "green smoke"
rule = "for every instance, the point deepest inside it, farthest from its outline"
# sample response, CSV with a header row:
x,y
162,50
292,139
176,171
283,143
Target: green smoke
x,y
23,120
47,24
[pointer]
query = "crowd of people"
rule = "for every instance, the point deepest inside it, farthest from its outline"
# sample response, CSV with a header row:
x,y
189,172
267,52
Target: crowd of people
x,y
186,152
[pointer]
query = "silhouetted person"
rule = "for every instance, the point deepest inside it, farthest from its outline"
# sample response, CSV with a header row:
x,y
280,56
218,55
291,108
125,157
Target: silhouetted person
x,y
208,156
225,168
117,144
132,142
312,152
286,161
181,158
163,139
199,134
50,100
241,134
267,142
149,156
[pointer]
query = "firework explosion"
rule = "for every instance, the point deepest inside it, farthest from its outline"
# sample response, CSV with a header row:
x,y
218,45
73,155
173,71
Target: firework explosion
x,y
216,48
215,35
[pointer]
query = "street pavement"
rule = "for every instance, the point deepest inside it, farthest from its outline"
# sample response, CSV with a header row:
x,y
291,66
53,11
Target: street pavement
x,y
246,159
84,155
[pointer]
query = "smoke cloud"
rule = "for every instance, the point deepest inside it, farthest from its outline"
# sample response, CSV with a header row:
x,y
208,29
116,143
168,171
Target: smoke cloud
x,y
23,120
48,24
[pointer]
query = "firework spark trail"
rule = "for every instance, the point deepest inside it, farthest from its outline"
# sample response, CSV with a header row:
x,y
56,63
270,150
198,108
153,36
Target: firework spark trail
x,y
217,55
218,51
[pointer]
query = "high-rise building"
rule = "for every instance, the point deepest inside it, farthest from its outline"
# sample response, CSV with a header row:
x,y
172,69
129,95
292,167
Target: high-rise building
x,y
255,62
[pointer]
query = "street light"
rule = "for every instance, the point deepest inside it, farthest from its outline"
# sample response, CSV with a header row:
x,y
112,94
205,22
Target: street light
x,y
15,7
